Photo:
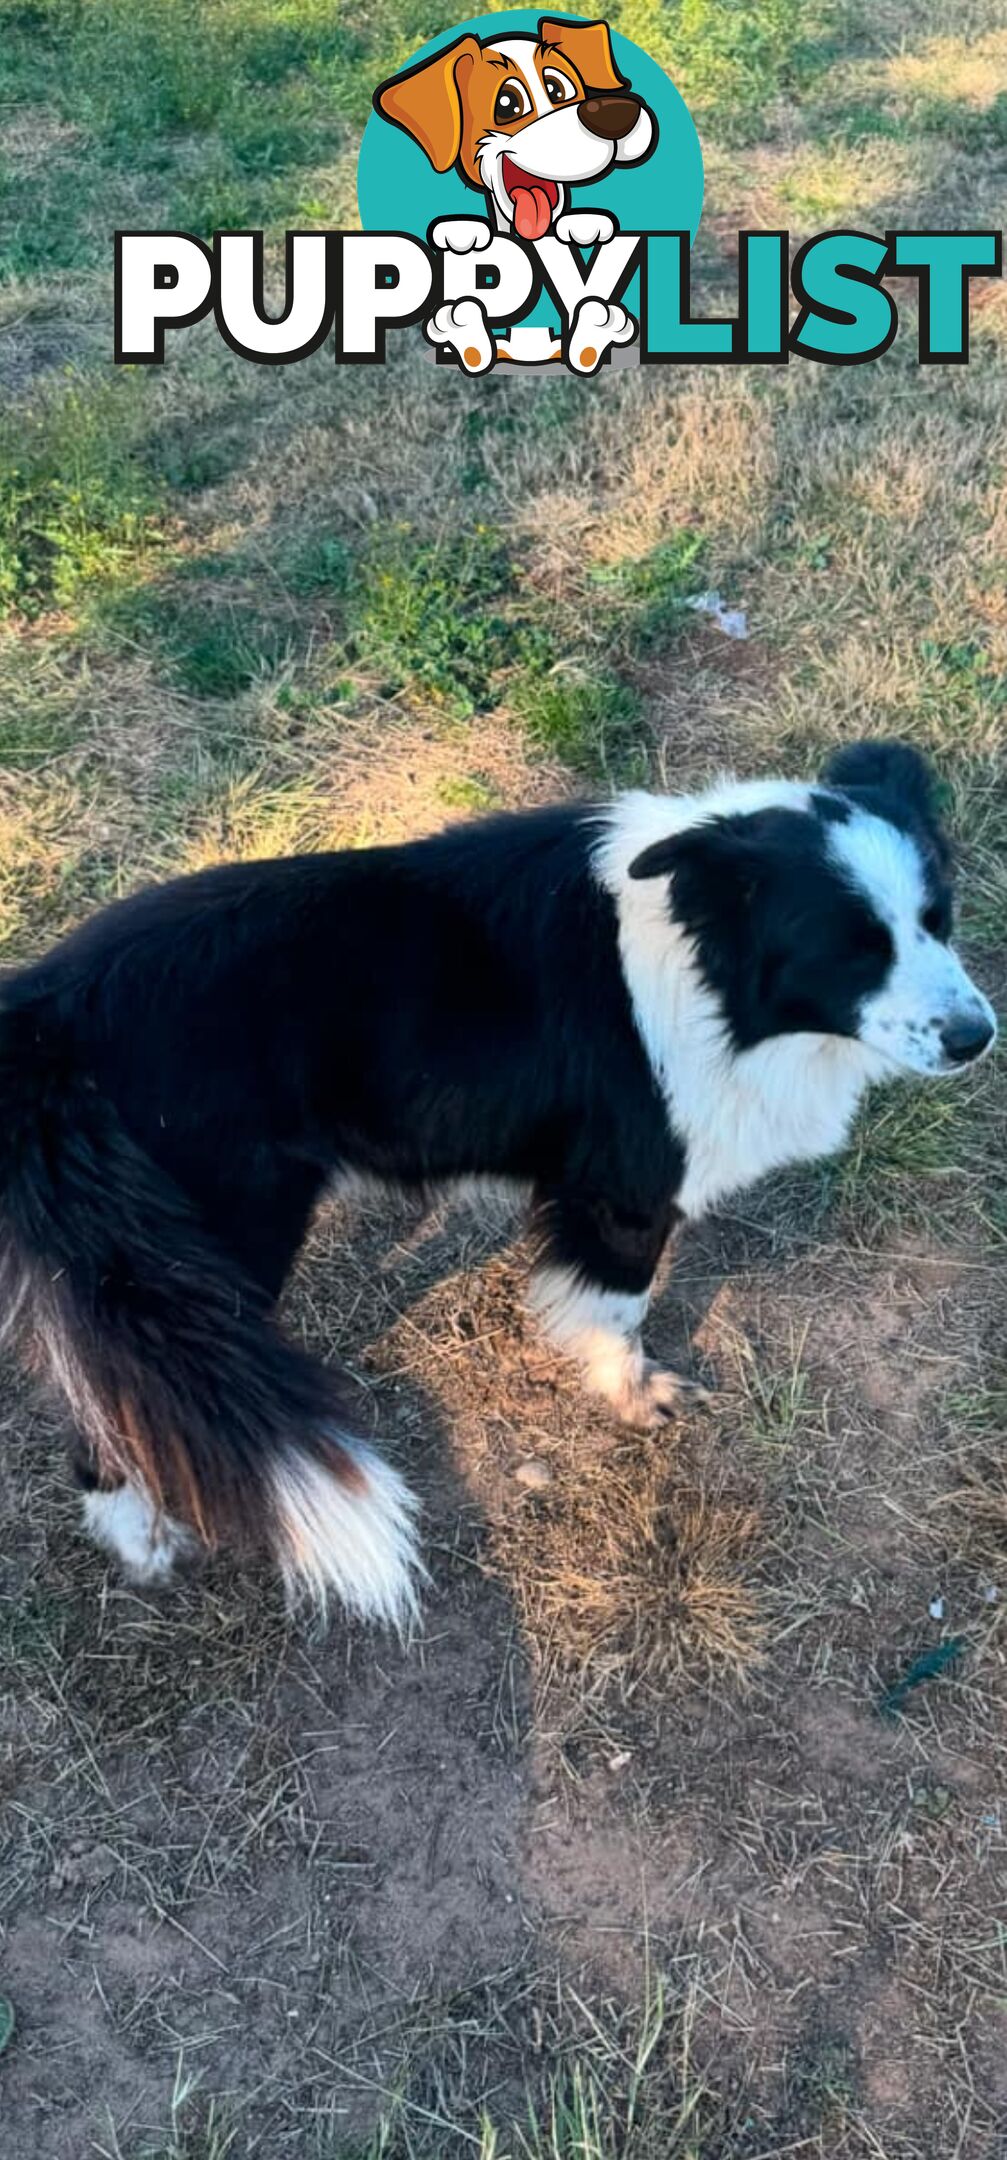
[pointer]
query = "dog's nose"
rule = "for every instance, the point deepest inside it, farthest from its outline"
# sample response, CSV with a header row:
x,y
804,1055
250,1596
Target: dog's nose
x,y
611,116
966,1037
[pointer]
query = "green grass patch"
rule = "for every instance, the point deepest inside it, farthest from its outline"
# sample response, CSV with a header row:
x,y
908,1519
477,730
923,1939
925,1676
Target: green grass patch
x,y
857,122
36,726
649,592
975,128
925,1156
434,616
733,58
212,642
591,721
77,500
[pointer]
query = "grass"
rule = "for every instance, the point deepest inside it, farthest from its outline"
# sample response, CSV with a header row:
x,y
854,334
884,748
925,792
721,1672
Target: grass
x,y
77,503
619,1863
625,2087
924,1160
196,2130
626,1580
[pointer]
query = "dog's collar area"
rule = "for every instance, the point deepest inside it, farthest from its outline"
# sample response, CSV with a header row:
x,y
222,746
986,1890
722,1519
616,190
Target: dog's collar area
x,y
534,199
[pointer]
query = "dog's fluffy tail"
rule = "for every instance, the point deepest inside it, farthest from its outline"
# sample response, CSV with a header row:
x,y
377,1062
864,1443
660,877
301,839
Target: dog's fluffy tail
x,y
173,1368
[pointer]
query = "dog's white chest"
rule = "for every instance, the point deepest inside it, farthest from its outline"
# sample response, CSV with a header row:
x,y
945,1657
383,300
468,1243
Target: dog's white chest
x,y
742,1115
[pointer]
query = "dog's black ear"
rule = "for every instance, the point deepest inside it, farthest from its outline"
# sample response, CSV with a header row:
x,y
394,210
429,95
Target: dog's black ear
x,y
735,850
895,777
658,860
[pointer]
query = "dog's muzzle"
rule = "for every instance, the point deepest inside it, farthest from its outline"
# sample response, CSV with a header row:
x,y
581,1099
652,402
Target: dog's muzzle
x,y
610,115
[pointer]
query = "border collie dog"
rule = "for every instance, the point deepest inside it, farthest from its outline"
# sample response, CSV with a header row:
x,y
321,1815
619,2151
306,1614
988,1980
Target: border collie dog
x,y
629,1010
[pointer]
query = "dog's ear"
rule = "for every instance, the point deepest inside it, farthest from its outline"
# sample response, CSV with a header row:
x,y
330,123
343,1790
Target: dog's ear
x,y
426,101
892,776
589,46
733,852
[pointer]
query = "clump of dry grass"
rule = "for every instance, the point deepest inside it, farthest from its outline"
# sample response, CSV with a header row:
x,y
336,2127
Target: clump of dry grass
x,y
630,1579
978,1507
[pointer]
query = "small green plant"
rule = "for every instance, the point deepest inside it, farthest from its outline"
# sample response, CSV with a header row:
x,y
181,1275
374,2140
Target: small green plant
x,y
649,592
77,500
431,616
589,720
317,565
468,793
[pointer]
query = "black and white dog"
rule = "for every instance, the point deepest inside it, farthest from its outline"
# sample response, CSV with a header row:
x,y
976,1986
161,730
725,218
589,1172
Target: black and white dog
x,y
631,1010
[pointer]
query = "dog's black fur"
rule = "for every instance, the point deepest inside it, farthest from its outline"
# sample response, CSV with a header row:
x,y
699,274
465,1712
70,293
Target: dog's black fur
x,y
183,1075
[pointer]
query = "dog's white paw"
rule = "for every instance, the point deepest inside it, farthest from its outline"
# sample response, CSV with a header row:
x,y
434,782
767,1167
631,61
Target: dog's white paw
x,y
462,325
145,1541
585,228
658,1394
596,326
459,235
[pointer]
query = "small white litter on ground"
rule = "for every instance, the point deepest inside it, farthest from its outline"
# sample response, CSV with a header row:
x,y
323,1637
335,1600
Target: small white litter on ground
x,y
732,621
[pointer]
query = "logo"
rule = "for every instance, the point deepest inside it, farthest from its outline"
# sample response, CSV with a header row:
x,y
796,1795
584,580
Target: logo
x,y
530,188
517,148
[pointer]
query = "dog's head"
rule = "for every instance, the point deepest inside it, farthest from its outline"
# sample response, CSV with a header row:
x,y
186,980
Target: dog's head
x,y
831,914
523,117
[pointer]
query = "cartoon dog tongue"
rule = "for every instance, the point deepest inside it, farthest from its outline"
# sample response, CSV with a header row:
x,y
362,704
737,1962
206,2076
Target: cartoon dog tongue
x,y
531,211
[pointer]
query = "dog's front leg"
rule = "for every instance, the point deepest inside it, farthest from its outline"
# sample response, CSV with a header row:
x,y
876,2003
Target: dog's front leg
x,y
590,1291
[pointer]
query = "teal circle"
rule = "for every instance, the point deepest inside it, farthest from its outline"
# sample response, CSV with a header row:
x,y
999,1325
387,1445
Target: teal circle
x,y
399,191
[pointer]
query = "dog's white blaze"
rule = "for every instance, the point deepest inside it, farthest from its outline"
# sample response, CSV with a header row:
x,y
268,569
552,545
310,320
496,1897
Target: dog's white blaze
x,y
926,986
599,1328
129,1524
739,1114
356,1542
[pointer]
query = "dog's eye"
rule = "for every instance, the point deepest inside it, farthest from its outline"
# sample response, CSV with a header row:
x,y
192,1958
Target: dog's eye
x,y
558,88
513,102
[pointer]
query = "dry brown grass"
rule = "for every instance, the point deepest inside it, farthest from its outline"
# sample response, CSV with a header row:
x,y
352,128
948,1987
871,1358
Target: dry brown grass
x,y
629,1580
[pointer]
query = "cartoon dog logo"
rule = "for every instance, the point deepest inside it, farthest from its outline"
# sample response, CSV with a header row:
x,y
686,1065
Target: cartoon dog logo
x,y
523,119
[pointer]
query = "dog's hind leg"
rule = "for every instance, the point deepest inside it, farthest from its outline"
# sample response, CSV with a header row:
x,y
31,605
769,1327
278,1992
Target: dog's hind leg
x,y
121,1517
590,1291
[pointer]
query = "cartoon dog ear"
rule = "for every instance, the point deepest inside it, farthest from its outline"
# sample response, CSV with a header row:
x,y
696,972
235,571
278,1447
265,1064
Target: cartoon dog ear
x,y
426,101
589,46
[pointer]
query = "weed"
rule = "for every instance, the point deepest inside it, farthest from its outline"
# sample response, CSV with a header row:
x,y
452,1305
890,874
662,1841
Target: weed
x,y
590,720
77,503
646,594
430,616
213,642
468,793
